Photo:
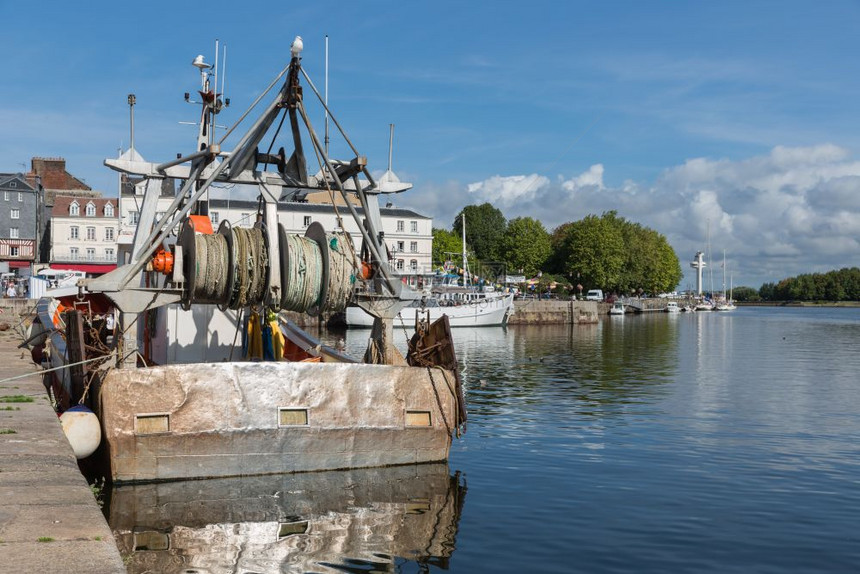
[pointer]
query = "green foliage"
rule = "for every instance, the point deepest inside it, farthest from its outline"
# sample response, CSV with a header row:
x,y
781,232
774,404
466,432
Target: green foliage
x,y
525,246
16,399
613,254
44,539
555,263
651,263
745,294
841,285
594,251
485,228
445,241
97,488
8,431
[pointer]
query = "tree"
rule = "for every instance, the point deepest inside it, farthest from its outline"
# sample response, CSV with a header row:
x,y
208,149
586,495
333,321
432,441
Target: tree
x,y
556,262
525,246
743,294
611,253
841,285
593,251
445,242
485,227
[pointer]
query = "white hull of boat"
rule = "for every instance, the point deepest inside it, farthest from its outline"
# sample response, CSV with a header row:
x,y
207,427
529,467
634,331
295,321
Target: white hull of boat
x,y
483,313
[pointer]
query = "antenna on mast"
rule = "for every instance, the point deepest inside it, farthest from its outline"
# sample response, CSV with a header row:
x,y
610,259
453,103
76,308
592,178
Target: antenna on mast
x,y
390,144
326,95
224,78
215,70
132,99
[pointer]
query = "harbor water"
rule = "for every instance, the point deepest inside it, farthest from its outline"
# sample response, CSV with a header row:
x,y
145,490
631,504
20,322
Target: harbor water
x,y
703,442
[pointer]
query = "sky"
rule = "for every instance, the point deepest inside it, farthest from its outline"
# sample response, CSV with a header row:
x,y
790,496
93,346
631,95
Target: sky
x,y
726,126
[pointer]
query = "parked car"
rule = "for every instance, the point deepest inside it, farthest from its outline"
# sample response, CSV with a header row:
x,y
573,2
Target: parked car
x,y
594,295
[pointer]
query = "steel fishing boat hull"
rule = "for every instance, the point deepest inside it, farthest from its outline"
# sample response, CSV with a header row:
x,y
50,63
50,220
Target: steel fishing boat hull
x,y
233,419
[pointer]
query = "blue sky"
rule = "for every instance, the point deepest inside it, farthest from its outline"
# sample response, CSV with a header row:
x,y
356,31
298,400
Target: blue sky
x,y
738,116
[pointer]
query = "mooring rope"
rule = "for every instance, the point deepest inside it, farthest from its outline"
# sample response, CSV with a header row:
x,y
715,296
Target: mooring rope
x,y
304,274
340,276
211,273
239,297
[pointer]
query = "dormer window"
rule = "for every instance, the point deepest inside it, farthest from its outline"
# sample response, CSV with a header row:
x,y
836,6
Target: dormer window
x,y
91,209
74,208
108,210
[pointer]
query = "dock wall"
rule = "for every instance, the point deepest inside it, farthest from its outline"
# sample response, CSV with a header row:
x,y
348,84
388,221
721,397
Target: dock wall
x,y
49,518
540,312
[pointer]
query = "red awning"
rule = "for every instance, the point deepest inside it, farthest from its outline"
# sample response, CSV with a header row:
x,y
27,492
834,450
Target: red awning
x,y
18,264
86,268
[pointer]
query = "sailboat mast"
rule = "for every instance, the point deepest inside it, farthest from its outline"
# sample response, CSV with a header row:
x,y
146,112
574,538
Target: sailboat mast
x,y
465,265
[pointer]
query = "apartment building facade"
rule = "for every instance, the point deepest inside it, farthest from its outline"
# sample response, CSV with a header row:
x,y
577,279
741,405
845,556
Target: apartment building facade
x,y
18,223
83,233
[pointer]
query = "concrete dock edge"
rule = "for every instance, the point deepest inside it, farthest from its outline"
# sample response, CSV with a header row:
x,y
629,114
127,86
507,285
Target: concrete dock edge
x,y
49,518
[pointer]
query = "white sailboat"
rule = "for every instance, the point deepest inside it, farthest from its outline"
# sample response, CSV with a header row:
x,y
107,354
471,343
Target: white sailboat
x,y
466,305
726,303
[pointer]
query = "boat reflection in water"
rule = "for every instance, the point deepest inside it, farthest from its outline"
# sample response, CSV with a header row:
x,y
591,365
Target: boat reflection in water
x,y
369,520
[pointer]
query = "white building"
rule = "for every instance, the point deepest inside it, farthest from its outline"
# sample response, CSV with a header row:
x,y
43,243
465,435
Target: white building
x,y
84,233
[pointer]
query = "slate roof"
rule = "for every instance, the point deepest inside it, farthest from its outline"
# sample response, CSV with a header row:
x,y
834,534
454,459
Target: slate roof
x,y
63,202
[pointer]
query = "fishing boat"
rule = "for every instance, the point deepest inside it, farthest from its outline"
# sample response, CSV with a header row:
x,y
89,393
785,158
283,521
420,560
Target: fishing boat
x,y
179,364
672,307
617,308
464,304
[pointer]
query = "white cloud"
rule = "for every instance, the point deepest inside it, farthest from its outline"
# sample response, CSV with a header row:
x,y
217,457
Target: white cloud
x,y
507,191
591,178
779,214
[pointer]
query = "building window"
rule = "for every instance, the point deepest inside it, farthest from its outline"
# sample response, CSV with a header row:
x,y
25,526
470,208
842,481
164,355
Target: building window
x,y
108,210
6,195
413,265
306,221
13,233
13,184
413,226
108,233
413,247
73,253
20,194
134,217
400,225
74,208
13,250
91,209
73,232
109,255
399,264
15,214
400,246
213,217
91,233
91,253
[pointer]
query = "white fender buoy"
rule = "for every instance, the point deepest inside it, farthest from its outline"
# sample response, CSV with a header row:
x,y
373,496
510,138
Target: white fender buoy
x,y
82,429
